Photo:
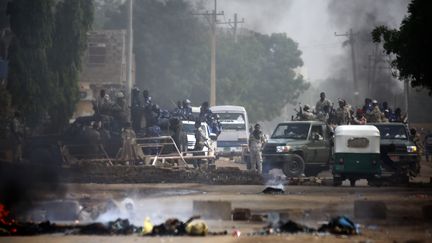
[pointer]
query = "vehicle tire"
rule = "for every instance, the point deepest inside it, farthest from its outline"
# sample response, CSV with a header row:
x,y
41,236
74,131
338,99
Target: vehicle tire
x,y
352,182
311,172
375,182
294,167
337,181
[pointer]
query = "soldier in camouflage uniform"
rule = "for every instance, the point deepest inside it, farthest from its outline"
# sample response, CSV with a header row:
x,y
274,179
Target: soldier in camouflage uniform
x,y
375,115
307,115
256,141
322,107
342,113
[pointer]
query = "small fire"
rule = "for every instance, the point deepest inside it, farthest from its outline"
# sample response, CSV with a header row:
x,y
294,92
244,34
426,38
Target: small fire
x,y
5,221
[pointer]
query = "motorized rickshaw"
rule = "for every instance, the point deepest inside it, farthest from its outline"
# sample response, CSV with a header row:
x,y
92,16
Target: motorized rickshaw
x,y
356,154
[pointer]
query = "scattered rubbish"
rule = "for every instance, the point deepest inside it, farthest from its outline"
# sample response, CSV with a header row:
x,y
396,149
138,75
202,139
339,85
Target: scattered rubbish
x,y
293,227
147,227
241,214
370,209
340,226
197,228
236,233
273,190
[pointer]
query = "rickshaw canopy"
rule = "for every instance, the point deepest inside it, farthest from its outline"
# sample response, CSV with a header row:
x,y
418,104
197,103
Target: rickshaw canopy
x,y
357,139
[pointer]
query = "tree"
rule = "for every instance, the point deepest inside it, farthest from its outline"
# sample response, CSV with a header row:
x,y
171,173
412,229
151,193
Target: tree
x,y
29,80
73,20
45,57
410,44
172,53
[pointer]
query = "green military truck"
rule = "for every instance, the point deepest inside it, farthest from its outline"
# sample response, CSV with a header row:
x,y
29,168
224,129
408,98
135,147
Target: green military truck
x,y
399,154
298,148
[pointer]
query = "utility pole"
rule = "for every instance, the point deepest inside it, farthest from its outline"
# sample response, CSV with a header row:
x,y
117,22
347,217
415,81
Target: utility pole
x,y
129,60
212,18
234,25
350,36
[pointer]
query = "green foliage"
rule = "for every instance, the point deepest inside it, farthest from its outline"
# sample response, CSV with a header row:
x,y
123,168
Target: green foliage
x,y
29,79
410,44
73,20
45,57
173,60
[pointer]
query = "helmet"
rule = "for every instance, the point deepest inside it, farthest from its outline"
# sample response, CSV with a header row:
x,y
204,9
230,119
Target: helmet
x,y
374,102
306,107
187,101
257,126
120,95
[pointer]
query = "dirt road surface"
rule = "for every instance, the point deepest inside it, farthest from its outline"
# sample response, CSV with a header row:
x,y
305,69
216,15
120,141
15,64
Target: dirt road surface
x,y
404,219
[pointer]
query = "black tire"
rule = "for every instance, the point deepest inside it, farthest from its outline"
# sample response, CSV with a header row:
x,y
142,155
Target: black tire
x,y
294,167
337,181
352,182
312,172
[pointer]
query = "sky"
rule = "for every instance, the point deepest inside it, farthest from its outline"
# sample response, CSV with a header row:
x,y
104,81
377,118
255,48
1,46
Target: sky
x,y
311,23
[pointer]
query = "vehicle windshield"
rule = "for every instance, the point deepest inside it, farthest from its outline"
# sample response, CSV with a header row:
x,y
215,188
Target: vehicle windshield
x,y
234,126
232,121
392,132
294,131
190,128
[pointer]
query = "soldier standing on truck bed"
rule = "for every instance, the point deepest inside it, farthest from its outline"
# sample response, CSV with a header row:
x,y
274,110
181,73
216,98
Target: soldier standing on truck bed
x,y
256,141
322,107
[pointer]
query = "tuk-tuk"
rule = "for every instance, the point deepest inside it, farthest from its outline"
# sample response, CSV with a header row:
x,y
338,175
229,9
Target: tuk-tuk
x,y
356,154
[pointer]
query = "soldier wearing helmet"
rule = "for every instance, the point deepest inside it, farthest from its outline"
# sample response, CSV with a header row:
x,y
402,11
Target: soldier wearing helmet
x,y
256,142
307,114
187,110
375,114
343,116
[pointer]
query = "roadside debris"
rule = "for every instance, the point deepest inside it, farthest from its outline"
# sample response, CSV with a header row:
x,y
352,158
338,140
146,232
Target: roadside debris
x,y
273,190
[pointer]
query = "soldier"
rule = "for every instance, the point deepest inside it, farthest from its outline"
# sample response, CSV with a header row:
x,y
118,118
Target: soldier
x,y
375,115
178,111
256,141
147,109
342,113
187,110
17,131
200,141
136,109
205,113
307,115
130,151
322,107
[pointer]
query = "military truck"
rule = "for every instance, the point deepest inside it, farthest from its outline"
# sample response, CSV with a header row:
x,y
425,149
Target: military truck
x,y
399,155
298,147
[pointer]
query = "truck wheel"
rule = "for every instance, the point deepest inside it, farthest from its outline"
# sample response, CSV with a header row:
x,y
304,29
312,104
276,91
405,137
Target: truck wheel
x,y
337,181
352,182
294,167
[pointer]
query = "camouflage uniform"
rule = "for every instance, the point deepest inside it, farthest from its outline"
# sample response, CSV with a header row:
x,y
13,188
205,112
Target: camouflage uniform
x,y
342,116
319,107
375,115
256,140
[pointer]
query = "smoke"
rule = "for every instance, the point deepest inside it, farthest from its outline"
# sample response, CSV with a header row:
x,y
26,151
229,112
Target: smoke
x,y
23,185
373,71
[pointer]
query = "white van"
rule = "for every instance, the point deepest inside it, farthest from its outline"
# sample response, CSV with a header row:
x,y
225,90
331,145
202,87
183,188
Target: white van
x,y
234,137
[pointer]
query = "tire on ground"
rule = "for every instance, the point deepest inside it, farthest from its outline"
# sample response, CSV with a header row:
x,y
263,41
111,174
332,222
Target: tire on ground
x,y
294,167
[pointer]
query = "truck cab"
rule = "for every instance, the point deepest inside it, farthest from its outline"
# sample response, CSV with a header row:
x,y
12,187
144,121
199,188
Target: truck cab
x,y
298,147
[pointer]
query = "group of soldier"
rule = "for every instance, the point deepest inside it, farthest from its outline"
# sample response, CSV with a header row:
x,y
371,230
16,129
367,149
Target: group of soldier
x,y
344,114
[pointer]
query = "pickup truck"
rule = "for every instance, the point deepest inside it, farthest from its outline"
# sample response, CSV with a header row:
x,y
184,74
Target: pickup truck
x,y
298,148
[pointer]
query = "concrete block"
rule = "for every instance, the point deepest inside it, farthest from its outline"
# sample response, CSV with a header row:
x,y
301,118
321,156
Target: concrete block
x,y
241,214
370,209
212,209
